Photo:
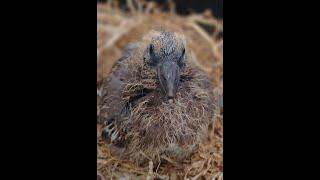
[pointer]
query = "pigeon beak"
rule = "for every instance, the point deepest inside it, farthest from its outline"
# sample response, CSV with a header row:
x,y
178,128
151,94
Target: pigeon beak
x,y
169,77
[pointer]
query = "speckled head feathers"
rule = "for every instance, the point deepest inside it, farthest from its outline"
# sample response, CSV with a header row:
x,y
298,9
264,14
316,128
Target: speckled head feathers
x,y
165,44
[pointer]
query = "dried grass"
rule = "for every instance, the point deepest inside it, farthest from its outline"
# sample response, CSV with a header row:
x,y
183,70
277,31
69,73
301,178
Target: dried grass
x,y
116,28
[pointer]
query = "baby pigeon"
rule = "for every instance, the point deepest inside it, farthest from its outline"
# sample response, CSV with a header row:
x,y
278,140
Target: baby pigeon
x,y
155,101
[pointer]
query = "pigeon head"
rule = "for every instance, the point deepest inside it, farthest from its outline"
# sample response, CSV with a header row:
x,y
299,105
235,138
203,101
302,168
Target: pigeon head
x,y
166,54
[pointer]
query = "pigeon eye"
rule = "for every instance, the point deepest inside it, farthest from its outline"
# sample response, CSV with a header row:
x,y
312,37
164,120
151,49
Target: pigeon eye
x,y
181,62
152,60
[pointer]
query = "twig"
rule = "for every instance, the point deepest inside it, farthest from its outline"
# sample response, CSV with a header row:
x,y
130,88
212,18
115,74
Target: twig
x,y
172,7
196,62
203,34
150,7
131,7
142,153
150,173
169,160
210,22
215,176
203,172
140,4
100,175
221,176
158,163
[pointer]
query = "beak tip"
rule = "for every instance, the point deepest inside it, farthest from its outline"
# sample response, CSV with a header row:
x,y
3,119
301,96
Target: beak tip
x,y
170,95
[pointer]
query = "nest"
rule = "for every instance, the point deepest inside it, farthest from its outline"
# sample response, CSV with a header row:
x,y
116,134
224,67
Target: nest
x,y
116,27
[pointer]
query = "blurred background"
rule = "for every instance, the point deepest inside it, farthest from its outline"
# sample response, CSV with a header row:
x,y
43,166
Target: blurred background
x,y
120,22
185,7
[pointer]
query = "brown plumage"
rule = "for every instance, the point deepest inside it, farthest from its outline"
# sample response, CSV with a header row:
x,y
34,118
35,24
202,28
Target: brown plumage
x,y
155,101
